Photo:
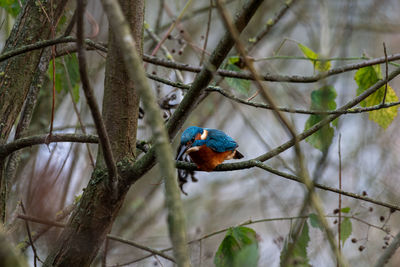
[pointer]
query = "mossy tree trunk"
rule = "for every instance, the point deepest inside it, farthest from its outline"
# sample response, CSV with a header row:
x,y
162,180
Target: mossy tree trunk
x,y
18,73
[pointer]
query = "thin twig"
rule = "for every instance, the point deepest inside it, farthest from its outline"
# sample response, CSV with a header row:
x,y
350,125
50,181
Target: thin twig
x,y
207,34
327,188
274,77
249,222
171,27
221,72
60,216
28,230
340,195
267,106
389,251
7,149
270,23
165,50
386,73
134,244
78,115
159,16
109,236
91,100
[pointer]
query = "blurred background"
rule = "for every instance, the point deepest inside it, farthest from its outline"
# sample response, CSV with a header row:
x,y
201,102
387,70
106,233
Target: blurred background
x,y
49,179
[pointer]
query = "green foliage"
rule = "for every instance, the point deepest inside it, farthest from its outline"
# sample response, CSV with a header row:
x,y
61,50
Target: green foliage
x,y
63,78
315,222
11,6
240,85
345,210
239,248
318,62
298,257
345,229
321,99
365,78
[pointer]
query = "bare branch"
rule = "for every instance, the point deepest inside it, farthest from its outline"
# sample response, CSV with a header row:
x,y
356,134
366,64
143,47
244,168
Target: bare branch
x,y
90,98
270,23
275,77
7,149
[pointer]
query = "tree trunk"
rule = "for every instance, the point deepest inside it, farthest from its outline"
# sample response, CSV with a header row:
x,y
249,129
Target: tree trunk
x,y
18,73
96,212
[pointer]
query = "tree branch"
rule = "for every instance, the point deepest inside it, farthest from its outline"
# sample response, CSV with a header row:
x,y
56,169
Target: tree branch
x,y
270,23
7,149
274,77
90,98
267,106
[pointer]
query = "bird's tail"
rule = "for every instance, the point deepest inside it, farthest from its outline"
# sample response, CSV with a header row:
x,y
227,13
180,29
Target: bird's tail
x,y
238,155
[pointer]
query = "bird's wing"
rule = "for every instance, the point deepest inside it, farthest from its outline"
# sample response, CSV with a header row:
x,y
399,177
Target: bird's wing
x,y
219,141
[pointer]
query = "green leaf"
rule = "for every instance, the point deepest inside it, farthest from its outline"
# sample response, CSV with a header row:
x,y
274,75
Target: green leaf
x,y
318,62
11,6
63,78
324,98
365,78
233,60
314,221
240,85
239,248
345,210
299,255
321,99
247,256
345,229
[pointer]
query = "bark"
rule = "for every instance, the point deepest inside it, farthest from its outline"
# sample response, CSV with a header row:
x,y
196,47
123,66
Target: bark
x,y
121,101
96,212
134,66
8,256
17,73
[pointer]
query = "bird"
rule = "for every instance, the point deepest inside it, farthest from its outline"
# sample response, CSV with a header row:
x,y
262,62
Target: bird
x,y
208,148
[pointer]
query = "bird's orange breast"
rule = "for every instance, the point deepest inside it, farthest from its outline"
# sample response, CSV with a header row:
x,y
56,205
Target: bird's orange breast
x,y
207,159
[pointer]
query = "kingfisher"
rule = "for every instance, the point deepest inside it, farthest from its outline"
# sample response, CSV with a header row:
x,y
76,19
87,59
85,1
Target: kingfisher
x,y
208,147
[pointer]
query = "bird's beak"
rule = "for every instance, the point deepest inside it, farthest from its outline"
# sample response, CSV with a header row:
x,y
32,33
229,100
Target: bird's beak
x,y
181,150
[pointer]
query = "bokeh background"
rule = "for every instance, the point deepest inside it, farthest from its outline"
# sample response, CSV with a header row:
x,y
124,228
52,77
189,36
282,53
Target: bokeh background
x,y
51,178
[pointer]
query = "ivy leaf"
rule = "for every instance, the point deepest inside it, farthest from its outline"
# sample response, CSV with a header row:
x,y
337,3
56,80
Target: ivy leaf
x,y
63,79
240,85
11,6
365,78
239,248
314,221
299,255
318,62
321,99
345,229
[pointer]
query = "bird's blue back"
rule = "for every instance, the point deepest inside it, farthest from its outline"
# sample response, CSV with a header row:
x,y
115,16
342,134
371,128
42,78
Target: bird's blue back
x,y
218,141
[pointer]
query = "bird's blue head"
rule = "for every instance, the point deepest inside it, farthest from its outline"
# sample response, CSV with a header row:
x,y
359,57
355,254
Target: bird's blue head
x,y
189,135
